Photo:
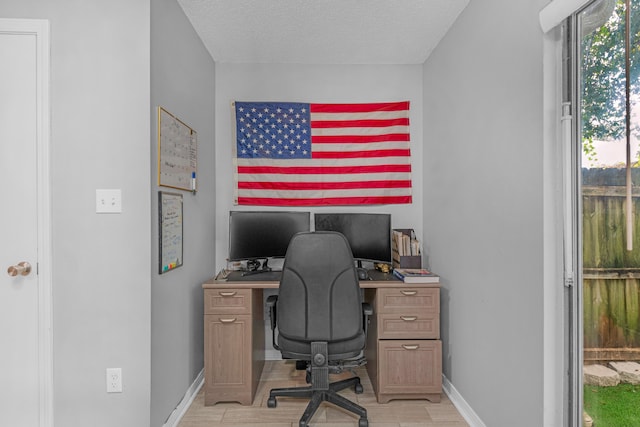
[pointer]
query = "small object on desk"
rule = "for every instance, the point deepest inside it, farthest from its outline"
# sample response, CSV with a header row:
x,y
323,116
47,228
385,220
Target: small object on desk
x,y
405,249
416,275
253,265
363,274
385,268
223,274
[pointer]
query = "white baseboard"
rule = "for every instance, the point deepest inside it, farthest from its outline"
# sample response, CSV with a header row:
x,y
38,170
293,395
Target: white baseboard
x,y
186,401
461,405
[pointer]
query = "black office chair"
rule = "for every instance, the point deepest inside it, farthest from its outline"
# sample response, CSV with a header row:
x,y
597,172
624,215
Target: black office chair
x,y
320,319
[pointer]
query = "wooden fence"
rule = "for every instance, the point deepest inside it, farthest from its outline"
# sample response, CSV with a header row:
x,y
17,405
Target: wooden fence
x,y
611,285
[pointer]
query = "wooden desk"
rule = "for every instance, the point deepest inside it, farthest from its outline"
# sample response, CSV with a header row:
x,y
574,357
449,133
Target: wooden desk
x,y
404,351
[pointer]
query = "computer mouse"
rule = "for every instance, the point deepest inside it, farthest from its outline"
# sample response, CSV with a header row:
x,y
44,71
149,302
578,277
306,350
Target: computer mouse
x,y
362,274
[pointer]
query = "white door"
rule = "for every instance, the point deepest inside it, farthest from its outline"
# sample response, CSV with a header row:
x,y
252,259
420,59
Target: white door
x,y
25,357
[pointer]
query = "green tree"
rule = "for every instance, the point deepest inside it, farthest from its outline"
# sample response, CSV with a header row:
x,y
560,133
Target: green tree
x,y
603,68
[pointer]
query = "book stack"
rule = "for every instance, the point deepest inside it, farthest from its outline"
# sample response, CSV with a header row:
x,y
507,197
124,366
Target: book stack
x,y
406,249
415,275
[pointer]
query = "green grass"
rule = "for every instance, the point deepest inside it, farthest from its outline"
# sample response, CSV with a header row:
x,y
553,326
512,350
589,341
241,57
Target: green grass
x,y
617,406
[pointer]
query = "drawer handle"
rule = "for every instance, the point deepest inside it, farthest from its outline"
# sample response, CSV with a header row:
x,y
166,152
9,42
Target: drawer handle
x,y
409,293
227,294
410,347
228,320
409,318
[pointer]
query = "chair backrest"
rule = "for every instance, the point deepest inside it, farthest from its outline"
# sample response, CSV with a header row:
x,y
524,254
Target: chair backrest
x,y
319,296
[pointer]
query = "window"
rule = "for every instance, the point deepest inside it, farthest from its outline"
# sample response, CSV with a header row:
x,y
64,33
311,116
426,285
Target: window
x,y
602,51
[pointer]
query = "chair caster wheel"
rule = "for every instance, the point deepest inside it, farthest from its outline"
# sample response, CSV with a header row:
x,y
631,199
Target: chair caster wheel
x,y
363,422
307,377
302,424
271,402
359,389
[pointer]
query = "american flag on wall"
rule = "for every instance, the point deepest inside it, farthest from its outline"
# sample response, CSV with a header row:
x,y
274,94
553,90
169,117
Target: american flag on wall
x,y
299,154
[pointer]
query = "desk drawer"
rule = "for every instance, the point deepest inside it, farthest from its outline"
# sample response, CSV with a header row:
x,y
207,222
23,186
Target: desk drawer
x,y
409,325
227,301
401,299
409,367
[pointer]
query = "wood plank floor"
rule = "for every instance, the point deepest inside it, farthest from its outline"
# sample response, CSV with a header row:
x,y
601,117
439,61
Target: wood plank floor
x,y
278,373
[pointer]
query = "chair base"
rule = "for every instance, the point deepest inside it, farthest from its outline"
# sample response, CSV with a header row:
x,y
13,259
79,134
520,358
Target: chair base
x,y
318,396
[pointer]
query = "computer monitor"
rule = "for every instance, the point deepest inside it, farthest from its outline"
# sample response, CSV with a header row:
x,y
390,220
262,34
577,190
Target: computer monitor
x,y
263,235
369,234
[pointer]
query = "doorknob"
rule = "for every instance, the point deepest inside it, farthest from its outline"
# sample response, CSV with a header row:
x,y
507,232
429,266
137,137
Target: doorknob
x,y
23,268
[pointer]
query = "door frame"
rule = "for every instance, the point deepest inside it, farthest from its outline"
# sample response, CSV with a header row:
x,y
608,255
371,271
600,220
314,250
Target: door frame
x,y
40,29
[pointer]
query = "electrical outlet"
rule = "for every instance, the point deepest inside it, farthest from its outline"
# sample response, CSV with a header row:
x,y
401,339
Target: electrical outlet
x,y
114,380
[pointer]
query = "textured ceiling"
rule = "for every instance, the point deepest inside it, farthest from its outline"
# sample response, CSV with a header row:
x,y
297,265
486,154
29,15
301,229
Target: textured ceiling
x,y
322,31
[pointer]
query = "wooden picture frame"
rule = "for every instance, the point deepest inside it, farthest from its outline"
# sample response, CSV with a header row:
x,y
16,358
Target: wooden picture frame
x,y
177,153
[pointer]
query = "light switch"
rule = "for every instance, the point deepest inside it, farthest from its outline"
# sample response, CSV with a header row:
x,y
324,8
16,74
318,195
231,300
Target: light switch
x,y
109,201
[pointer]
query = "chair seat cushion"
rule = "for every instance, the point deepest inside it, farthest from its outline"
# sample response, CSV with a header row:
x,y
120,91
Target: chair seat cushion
x,y
293,349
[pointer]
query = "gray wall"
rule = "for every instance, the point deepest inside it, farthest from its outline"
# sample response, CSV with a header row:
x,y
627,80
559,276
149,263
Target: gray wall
x,y
182,82
99,139
314,83
483,206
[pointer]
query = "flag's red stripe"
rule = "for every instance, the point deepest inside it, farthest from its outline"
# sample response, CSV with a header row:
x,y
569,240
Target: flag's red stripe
x,y
322,185
343,139
359,108
379,200
358,154
334,170
371,123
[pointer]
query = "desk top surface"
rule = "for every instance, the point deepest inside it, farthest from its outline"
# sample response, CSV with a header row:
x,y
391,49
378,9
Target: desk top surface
x,y
271,279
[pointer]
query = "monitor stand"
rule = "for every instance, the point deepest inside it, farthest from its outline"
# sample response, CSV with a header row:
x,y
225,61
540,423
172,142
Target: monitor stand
x,y
262,269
